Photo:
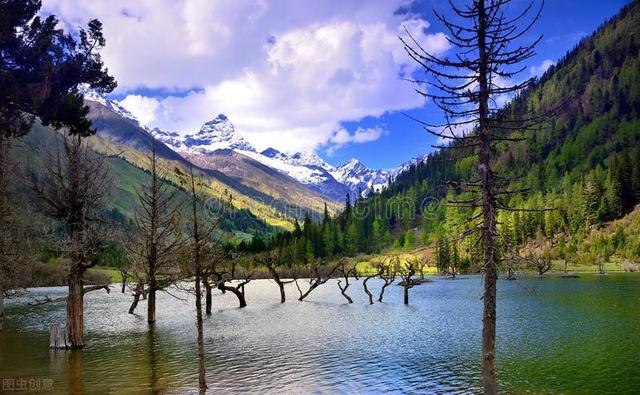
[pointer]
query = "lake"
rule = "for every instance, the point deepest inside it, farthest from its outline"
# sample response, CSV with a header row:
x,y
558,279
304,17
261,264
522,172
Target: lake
x,y
574,336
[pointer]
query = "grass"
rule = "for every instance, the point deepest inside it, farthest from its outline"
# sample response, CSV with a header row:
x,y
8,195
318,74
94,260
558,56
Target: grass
x,y
111,272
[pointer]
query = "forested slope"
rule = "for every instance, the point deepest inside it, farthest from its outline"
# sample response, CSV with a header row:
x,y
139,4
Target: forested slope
x,y
584,161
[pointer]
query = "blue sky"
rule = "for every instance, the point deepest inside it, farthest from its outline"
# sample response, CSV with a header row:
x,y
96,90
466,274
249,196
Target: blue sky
x,y
563,23
295,75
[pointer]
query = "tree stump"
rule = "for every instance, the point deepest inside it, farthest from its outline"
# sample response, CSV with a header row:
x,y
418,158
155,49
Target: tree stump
x,y
57,336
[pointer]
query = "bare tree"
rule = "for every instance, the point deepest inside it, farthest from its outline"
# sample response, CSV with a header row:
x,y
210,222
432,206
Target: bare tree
x,y
319,274
72,187
387,275
236,289
378,273
213,256
420,264
154,247
272,262
540,263
198,242
346,271
467,88
406,272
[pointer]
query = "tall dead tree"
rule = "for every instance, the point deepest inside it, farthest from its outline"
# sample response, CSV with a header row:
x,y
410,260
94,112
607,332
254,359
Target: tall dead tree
x,y
468,87
199,240
153,249
72,186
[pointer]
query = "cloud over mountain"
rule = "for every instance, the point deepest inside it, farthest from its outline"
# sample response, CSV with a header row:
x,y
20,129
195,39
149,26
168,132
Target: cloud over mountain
x,y
289,73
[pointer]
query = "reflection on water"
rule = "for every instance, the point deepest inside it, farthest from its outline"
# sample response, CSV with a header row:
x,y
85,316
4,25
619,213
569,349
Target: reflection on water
x,y
554,335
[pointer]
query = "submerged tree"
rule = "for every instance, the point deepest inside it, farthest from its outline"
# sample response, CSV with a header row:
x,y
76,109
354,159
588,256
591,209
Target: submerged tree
x,y
406,272
273,263
346,270
42,70
72,186
199,241
319,273
153,251
469,87
387,274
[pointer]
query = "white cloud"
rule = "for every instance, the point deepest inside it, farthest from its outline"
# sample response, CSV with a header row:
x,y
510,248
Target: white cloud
x,y
286,73
144,108
342,137
538,71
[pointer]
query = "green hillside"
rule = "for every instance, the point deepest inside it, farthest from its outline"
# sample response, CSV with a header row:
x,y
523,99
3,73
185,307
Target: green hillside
x,y
584,162
128,177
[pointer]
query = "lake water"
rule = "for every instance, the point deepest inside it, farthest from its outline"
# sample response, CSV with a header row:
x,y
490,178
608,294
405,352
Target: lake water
x,y
573,336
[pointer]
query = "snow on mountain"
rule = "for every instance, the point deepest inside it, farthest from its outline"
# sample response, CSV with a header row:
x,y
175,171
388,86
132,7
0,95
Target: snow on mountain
x,y
219,133
308,168
361,179
90,94
172,139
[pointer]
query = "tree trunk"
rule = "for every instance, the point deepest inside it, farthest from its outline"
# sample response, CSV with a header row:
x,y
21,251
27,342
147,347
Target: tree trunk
x,y
57,336
208,300
238,293
1,306
384,286
366,289
124,281
75,310
136,298
343,290
283,297
201,369
406,295
151,306
488,211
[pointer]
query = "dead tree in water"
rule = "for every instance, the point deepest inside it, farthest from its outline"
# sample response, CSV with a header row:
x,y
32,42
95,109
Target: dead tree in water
x,y
72,186
199,239
318,275
236,289
406,272
153,250
540,264
420,264
272,262
467,87
387,275
346,271
379,273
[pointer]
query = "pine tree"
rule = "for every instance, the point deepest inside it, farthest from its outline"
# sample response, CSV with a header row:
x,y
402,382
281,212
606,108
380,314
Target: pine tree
x,y
613,198
592,199
409,240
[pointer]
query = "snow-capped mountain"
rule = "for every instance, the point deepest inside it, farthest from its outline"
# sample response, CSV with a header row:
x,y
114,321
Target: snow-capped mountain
x,y
92,95
360,178
352,177
219,134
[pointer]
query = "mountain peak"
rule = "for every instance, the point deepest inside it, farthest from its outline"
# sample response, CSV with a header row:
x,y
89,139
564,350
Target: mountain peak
x,y
218,133
353,164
